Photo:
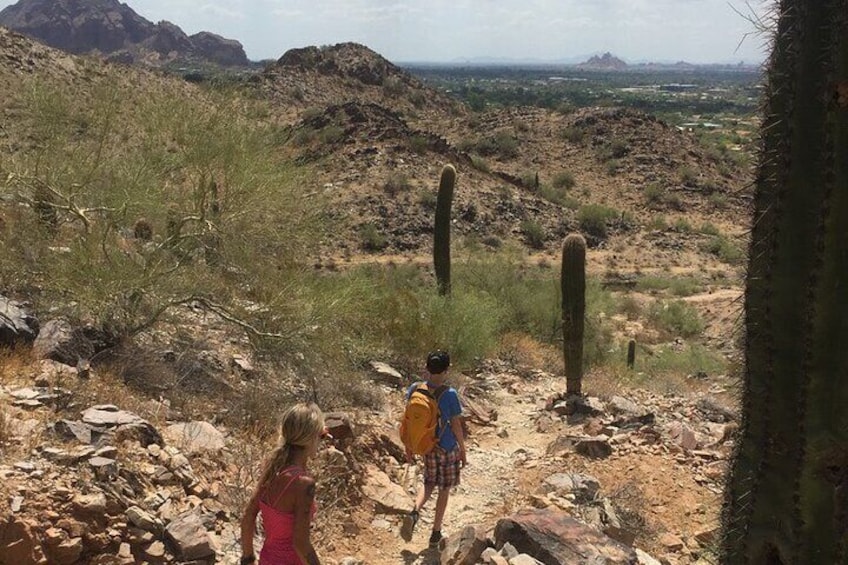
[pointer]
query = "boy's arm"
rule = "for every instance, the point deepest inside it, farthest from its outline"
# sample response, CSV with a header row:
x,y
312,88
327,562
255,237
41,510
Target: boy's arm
x,y
456,428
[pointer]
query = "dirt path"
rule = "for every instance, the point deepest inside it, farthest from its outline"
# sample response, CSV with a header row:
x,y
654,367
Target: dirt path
x,y
507,462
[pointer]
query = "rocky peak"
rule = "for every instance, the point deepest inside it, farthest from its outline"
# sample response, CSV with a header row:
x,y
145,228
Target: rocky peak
x,y
114,29
346,59
606,61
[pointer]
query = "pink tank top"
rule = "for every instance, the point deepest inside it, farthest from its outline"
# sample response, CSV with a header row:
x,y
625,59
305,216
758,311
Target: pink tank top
x,y
278,548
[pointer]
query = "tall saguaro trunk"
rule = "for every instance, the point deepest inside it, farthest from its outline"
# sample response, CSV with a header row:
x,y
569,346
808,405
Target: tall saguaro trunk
x,y
573,282
786,500
441,230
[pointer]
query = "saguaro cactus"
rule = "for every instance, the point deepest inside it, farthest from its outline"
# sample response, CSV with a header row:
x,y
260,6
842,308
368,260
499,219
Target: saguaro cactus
x,y
441,231
786,500
573,282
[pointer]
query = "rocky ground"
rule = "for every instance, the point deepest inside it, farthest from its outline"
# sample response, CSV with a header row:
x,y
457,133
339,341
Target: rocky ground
x,y
636,472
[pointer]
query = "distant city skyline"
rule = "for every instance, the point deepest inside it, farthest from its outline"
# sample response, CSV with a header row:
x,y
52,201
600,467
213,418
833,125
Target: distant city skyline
x,y
695,31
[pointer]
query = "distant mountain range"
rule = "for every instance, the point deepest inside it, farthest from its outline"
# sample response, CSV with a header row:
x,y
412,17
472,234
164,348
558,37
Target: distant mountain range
x,y
598,61
116,31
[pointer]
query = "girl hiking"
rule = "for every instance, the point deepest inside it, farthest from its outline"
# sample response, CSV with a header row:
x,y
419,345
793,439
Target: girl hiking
x,y
285,494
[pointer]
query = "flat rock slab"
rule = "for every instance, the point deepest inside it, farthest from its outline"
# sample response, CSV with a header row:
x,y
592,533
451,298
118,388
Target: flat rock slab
x,y
195,437
388,496
466,548
189,536
555,538
109,415
386,374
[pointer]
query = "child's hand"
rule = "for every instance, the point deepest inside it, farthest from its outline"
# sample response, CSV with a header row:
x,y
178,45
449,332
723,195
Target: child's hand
x,y
462,457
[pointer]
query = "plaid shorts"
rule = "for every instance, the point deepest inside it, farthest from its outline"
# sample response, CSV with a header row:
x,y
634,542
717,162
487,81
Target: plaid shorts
x,y
441,468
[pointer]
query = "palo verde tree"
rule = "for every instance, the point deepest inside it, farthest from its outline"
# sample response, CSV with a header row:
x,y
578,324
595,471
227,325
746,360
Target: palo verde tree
x,y
786,500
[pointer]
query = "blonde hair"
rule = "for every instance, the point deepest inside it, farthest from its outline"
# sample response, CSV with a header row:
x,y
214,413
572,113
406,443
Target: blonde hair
x,y
300,425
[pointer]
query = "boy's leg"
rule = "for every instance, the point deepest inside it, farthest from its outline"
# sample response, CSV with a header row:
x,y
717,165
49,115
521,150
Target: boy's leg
x,y
424,494
441,506
448,478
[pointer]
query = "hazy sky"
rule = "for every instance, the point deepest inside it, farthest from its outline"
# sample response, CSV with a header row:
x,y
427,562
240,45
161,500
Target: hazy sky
x,y
698,31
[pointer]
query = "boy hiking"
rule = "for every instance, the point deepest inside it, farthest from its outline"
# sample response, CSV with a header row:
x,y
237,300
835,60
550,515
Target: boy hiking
x,y
439,439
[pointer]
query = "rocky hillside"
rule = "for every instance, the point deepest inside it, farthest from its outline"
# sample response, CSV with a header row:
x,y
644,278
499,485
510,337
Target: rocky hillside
x,y
381,137
115,30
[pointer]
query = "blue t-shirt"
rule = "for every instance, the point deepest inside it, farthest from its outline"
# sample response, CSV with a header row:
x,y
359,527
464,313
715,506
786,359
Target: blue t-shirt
x,y
449,407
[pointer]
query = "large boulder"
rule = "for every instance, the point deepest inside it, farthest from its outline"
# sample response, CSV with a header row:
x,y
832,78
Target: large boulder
x,y
555,538
195,437
60,342
19,543
226,52
190,537
17,325
465,548
388,496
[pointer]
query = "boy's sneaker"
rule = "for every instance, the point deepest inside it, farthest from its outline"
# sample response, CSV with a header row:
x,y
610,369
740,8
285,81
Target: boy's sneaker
x,y
435,538
408,525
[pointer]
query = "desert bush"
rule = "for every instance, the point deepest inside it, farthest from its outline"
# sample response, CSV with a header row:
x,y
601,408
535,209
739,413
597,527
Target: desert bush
x,y
657,223
655,194
708,228
593,219
676,318
723,248
688,175
564,180
204,176
427,199
397,183
682,225
573,134
678,286
418,144
371,238
534,233
717,201
480,163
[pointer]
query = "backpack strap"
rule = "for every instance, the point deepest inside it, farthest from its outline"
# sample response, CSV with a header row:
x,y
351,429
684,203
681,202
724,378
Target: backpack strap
x,y
443,425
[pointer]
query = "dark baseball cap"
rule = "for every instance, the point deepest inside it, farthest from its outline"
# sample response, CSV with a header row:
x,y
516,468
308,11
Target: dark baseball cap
x,y
438,362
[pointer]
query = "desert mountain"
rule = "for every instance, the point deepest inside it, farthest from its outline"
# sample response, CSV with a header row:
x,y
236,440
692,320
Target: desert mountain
x,y
380,136
113,29
605,62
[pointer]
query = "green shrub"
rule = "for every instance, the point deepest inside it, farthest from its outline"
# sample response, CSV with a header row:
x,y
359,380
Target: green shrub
x,y
658,223
573,134
330,134
676,318
593,219
371,238
678,286
707,228
717,201
682,225
688,175
427,199
655,194
612,167
480,163
397,183
419,144
534,233
558,196
723,248
564,180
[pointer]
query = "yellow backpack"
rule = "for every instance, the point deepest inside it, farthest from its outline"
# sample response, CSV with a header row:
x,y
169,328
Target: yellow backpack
x,y
421,418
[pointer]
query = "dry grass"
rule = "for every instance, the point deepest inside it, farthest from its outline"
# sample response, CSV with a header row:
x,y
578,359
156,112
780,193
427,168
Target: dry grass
x,y
14,364
526,351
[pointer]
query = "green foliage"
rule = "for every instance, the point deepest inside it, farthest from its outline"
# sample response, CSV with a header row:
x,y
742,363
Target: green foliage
x,y
396,183
678,286
502,144
717,201
708,228
558,196
573,134
564,180
594,218
657,223
723,248
655,194
480,163
110,153
688,175
371,239
534,233
419,144
427,199
682,225
676,318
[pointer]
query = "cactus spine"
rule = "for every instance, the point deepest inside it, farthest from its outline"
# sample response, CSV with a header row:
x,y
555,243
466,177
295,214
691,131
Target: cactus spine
x,y
786,500
573,282
441,231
